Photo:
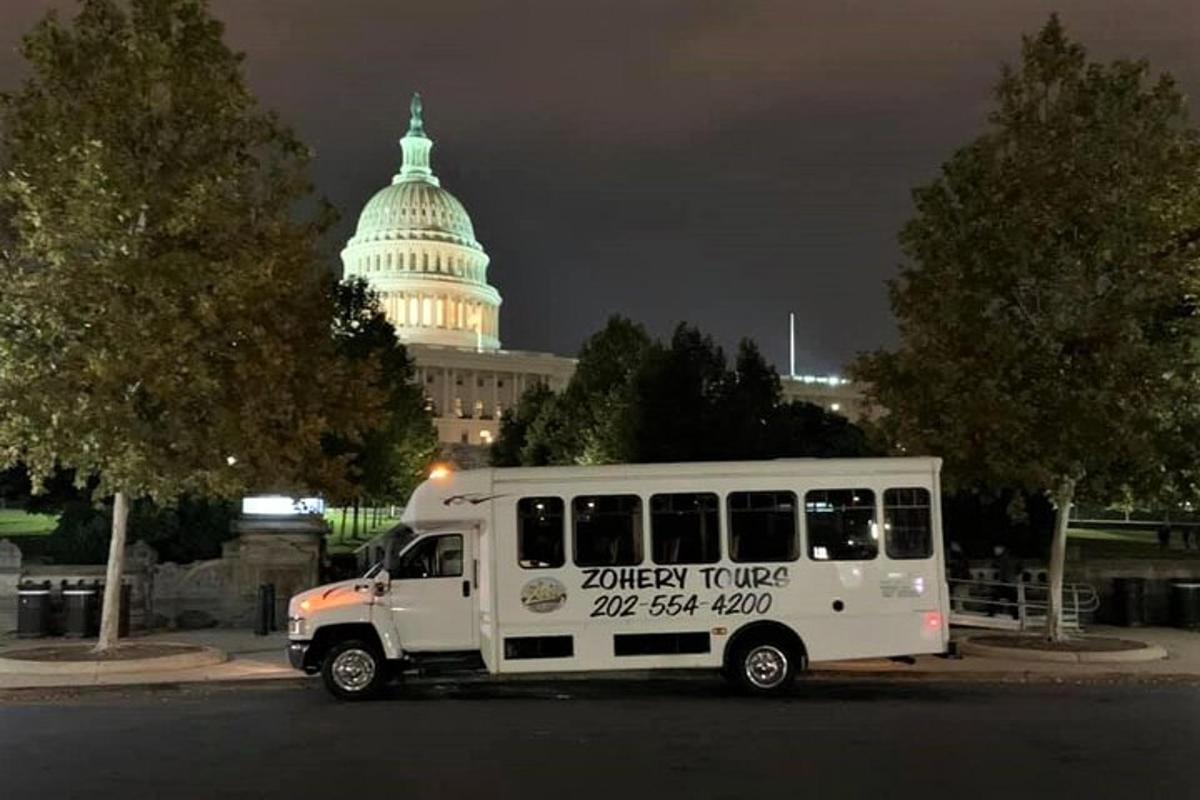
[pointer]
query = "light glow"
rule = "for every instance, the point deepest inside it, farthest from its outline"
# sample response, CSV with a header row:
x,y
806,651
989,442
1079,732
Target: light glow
x,y
439,471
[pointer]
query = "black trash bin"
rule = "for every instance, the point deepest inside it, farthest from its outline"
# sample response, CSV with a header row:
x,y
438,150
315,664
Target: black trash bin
x,y
33,609
81,606
1129,599
1185,604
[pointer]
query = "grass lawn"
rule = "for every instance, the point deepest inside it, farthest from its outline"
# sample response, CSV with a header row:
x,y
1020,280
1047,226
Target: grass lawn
x,y
339,544
14,522
1118,543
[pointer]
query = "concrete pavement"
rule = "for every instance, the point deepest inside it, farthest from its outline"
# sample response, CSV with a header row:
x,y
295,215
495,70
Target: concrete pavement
x,y
250,657
263,658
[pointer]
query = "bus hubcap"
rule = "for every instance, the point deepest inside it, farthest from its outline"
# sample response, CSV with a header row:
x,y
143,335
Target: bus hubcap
x,y
766,666
353,670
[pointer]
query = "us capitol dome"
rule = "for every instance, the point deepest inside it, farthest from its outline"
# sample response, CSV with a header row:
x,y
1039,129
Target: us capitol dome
x,y
415,245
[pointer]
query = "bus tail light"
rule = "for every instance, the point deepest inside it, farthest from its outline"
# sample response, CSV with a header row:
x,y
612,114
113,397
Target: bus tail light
x,y
933,620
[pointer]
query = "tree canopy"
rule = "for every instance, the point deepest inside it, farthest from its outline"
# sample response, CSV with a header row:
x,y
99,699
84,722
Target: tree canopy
x,y
634,399
165,321
1047,307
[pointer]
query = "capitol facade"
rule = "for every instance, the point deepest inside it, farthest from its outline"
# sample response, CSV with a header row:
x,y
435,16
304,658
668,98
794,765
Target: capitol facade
x,y
415,246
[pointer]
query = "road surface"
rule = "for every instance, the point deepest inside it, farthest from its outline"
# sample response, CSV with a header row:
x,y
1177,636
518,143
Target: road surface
x,y
568,740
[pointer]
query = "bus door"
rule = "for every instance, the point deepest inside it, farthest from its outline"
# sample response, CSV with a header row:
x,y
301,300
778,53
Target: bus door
x,y
433,596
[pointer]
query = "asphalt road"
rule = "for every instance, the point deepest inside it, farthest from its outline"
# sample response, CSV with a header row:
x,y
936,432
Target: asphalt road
x,y
620,740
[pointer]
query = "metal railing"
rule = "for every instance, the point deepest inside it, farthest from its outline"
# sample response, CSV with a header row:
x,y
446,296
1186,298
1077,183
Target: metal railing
x,y
1020,605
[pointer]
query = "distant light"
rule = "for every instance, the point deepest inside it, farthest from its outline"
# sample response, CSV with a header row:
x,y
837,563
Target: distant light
x,y
835,406
439,471
230,460
486,436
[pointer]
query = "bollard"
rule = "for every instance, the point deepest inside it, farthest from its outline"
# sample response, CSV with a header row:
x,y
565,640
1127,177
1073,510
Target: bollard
x,y
262,617
272,611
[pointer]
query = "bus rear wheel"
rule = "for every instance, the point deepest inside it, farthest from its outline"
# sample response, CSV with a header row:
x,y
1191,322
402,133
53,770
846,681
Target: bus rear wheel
x,y
354,670
764,666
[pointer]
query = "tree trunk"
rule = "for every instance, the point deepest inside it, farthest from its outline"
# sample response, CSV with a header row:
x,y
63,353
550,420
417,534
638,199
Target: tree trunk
x,y
1064,494
354,533
111,617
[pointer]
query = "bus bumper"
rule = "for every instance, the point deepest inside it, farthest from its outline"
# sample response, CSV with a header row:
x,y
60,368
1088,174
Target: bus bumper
x,y
296,652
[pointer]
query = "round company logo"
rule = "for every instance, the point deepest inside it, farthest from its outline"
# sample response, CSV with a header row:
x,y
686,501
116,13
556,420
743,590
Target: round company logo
x,y
542,595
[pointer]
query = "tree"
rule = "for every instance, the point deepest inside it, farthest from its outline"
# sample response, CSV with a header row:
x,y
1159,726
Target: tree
x,y
636,400
164,328
514,445
1047,312
584,425
390,460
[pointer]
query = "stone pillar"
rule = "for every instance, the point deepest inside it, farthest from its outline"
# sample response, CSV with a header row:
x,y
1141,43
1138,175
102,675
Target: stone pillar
x,y
284,551
10,575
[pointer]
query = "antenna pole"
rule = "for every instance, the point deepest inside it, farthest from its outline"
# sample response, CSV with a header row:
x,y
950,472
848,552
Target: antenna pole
x,y
792,344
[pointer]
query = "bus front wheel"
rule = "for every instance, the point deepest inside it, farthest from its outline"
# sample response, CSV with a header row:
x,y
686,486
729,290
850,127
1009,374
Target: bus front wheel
x,y
354,670
764,665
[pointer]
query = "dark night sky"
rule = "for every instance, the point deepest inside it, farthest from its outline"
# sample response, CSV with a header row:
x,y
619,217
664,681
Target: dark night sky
x,y
717,162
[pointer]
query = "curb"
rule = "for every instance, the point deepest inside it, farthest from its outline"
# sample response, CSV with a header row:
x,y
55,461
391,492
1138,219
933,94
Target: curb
x,y
1150,652
12,664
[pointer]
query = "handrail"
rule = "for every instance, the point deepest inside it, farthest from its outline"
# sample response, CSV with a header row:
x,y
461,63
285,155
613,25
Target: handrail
x,y
1029,603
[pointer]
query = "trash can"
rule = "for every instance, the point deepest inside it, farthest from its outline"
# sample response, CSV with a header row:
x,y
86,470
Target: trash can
x,y
80,606
1185,604
1129,599
33,609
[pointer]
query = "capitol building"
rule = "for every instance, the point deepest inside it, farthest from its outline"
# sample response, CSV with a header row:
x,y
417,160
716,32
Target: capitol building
x,y
415,246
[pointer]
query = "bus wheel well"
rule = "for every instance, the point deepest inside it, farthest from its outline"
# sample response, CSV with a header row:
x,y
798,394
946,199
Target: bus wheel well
x,y
766,631
329,635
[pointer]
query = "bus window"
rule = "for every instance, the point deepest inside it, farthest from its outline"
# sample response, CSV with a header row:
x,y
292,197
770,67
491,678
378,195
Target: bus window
x,y
540,532
762,526
907,527
608,530
841,524
684,528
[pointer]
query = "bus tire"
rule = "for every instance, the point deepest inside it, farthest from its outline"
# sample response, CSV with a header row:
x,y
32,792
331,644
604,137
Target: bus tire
x,y
764,664
354,670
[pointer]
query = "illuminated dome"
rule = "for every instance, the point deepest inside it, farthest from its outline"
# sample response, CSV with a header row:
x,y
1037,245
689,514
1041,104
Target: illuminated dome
x,y
415,245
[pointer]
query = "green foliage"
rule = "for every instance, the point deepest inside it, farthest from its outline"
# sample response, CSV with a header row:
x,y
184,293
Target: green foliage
x,y
392,459
515,446
1047,310
164,325
633,399
187,530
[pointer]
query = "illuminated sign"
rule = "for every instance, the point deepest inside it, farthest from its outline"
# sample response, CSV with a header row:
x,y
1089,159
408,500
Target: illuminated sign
x,y
275,505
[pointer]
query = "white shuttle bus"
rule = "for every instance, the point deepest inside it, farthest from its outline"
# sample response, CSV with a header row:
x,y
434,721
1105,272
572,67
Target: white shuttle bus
x,y
754,568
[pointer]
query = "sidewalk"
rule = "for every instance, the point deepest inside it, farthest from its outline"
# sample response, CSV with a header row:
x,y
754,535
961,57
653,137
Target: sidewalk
x,y
1181,664
264,658
250,658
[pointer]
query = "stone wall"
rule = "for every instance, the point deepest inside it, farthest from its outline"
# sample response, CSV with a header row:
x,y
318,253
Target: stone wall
x,y
1158,574
10,574
222,591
